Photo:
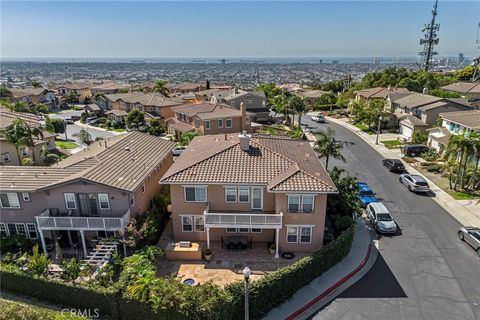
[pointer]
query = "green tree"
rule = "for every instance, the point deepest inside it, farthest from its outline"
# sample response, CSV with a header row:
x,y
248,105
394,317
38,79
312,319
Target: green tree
x,y
71,269
187,137
298,106
38,263
39,108
419,137
58,125
326,99
444,94
335,86
31,135
19,133
155,128
4,92
161,87
85,137
71,97
459,147
326,146
48,157
135,117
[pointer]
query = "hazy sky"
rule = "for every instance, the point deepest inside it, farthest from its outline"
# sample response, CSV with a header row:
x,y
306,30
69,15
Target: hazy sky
x,y
231,29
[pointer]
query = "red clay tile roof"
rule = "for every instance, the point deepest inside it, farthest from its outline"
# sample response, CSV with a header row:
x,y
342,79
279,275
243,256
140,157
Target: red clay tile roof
x,y
279,163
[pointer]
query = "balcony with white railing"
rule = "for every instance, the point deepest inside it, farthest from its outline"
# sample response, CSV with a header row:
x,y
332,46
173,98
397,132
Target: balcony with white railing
x,y
45,221
242,220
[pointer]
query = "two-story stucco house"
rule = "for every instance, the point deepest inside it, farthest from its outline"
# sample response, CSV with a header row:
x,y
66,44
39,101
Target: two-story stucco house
x,y
81,90
35,96
255,103
468,90
208,118
271,189
90,194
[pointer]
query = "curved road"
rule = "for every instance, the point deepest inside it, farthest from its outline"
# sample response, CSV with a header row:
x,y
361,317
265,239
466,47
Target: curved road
x,y
423,272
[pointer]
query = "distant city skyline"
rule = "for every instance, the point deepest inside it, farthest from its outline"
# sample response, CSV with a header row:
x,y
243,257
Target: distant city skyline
x,y
121,29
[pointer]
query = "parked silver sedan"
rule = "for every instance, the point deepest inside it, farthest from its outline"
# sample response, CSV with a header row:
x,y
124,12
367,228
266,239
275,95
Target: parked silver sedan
x,y
471,235
414,183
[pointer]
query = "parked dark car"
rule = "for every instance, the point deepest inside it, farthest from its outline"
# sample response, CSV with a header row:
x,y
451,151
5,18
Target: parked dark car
x,y
75,118
394,165
413,150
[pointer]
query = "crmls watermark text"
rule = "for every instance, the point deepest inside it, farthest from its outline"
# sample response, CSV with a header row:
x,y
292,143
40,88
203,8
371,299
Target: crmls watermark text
x,y
87,313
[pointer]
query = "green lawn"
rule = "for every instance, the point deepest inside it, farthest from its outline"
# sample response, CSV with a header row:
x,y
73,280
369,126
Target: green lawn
x,y
392,144
66,144
459,195
364,128
118,130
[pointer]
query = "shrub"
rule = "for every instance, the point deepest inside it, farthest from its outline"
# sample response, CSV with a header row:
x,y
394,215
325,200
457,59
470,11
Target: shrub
x,y
17,311
430,155
72,269
38,262
342,223
419,137
437,168
15,243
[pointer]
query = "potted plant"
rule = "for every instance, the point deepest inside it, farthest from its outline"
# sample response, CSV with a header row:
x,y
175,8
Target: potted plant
x,y
273,248
208,254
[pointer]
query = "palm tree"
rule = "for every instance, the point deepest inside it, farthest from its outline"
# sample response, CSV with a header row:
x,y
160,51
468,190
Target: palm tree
x,y
15,134
475,139
326,146
161,87
298,106
48,157
31,135
459,146
141,289
84,136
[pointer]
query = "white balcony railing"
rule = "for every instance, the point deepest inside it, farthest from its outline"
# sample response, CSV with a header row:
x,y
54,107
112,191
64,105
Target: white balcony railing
x,y
46,222
243,220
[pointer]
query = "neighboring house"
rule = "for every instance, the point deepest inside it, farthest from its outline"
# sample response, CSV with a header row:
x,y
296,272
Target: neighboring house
x,y
80,89
468,90
212,95
186,87
94,109
208,118
110,87
458,122
153,104
419,111
255,103
8,152
35,96
377,93
310,97
91,194
117,115
270,189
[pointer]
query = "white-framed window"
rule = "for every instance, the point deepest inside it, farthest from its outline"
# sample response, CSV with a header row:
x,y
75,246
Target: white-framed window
x,y
3,230
207,124
195,194
230,194
257,198
12,229
293,202
231,230
243,194
21,228
292,235
256,230
32,231
228,123
299,234
9,200
199,223
220,123
307,203
103,201
131,200
70,201
6,157
305,234
26,196
24,152
243,230
187,224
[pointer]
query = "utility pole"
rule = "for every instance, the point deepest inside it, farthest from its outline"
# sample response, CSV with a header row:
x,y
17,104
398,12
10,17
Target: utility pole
x,y
429,40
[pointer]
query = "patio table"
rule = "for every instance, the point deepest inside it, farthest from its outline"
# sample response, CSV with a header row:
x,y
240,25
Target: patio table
x,y
237,241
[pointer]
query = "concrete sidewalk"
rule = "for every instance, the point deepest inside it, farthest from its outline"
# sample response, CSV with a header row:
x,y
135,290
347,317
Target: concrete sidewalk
x,y
333,282
466,213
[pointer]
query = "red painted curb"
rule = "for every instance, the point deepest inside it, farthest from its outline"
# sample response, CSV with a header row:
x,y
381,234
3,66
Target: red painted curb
x,y
332,288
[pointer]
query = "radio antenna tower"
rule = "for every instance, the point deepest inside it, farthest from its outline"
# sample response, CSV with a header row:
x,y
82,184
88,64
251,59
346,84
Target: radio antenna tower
x,y
429,40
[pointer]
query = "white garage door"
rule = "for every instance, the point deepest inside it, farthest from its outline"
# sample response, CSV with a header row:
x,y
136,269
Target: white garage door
x,y
406,131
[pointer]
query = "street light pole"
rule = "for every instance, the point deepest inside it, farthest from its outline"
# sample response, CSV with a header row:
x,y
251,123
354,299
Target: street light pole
x,y
246,276
378,128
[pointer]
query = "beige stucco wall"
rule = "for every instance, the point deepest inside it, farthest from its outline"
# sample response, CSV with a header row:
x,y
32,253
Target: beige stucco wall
x,y
6,147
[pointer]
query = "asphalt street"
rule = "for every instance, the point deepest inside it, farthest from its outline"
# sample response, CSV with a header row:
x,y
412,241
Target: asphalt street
x,y
73,130
422,272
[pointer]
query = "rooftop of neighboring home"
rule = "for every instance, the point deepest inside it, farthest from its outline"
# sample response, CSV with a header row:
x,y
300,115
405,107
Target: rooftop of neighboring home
x,y
18,92
123,162
239,94
77,85
463,87
186,86
219,92
153,99
206,111
412,120
111,85
379,92
7,118
469,118
279,163
416,100
312,93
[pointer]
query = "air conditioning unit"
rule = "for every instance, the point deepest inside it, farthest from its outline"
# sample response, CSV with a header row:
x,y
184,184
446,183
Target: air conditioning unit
x,y
185,244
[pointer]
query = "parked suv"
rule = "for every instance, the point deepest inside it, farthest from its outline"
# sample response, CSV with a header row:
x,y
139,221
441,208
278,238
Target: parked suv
x,y
380,218
413,150
414,183
471,235
394,165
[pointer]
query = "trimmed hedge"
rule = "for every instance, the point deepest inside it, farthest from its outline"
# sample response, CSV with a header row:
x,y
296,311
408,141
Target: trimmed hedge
x,y
19,311
265,294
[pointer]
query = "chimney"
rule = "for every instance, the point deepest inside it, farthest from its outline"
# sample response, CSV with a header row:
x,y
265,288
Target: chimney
x,y
235,89
244,116
244,141
207,85
425,90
